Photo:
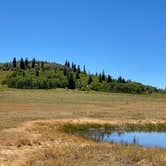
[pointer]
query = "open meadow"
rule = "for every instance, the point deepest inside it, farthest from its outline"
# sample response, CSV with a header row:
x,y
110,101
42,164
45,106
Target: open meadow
x,y
30,122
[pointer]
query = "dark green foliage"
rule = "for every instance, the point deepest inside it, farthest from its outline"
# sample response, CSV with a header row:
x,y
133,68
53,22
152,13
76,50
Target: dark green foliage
x,y
42,65
22,64
78,69
84,70
71,82
14,62
26,63
74,68
23,74
121,80
109,79
77,75
33,63
90,79
103,77
65,71
100,78
37,73
44,75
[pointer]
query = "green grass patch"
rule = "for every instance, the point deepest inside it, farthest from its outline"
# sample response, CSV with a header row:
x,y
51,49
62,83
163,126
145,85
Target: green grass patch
x,y
149,127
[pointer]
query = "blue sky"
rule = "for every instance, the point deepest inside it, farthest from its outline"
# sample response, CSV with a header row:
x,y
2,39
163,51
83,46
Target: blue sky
x,y
123,37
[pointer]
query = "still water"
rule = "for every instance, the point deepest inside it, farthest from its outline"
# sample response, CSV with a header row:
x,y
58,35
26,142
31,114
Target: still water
x,y
147,139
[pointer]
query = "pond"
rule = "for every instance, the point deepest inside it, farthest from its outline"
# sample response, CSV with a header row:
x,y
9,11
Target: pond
x,y
147,139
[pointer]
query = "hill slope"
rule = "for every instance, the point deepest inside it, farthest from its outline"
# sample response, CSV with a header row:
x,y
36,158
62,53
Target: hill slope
x,y
43,75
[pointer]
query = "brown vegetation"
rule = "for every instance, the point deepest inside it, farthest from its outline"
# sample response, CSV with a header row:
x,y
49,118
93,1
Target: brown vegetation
x,y
30,122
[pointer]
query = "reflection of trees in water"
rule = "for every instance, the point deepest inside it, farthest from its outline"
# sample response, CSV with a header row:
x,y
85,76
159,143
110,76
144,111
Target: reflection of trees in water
x,y
97,134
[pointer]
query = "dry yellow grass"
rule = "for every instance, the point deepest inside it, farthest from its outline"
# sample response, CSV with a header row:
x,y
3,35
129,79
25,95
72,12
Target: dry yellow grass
x,y
29,120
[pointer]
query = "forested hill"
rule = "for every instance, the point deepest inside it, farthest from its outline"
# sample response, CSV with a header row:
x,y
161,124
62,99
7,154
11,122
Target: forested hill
x,y
44,75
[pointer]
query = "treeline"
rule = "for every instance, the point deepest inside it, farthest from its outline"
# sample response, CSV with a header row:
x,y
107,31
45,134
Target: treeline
x,y
35,74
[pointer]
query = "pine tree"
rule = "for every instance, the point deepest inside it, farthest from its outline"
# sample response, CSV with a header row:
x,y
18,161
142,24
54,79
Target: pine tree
x,y
71,82
26,62
68,64
33,63
78,69
72,65
120,79
22,64
42,65
65,71
74,68
103,76
77,75
84,70
14,62
37,73
109,79
100,78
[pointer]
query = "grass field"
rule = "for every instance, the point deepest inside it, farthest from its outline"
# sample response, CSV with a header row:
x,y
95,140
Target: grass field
x,y
29,121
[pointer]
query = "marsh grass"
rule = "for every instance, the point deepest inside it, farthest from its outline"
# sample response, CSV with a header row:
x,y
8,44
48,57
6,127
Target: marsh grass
x,y
75,151
125,127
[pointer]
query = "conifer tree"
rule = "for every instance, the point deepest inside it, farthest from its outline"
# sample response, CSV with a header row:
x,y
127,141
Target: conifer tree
x,y
109,79
71,82
14,62
100,77
84,70
26,62
22,64
74,68
33,63
42,65
68,64
103,76
65,71
37,73
77,75
78,69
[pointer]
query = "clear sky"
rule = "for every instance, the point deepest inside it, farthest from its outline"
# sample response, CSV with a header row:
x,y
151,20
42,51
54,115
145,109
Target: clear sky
x,y
123,37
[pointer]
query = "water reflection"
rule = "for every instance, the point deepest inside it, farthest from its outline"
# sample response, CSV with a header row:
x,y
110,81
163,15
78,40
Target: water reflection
x,y
148,139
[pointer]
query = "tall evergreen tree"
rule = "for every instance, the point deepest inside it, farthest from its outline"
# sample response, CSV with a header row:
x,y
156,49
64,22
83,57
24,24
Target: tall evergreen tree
x,y
22,64
26,62
65,71
42,65
68,64
71,82
14,63
77,75
37,73
100,77
120,79
103,76
33,63
84,70
74,68
109,79
72,65
78,69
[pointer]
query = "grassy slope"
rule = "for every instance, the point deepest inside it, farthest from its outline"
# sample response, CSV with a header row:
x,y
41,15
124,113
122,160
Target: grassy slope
x,y
3,74
17,106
